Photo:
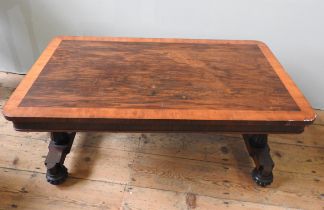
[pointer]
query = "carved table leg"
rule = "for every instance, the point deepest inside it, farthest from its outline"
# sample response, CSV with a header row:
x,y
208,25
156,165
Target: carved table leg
x,y
59,147
258,148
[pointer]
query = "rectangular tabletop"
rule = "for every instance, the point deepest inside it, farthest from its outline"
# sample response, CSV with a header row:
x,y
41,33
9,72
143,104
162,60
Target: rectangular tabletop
x,y
137,84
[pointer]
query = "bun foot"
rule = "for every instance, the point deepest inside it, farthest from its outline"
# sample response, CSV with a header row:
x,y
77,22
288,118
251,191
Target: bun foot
x,y
57,175
260,179
258,148
59,147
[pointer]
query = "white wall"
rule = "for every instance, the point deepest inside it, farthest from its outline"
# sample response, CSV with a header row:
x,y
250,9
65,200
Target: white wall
x,y
294,29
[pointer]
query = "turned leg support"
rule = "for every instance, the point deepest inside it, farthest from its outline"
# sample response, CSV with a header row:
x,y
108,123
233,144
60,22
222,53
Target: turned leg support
x,y
59,146
258,148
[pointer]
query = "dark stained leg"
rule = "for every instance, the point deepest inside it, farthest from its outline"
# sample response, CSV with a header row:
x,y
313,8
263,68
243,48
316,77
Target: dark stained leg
x,y
59,147
258,148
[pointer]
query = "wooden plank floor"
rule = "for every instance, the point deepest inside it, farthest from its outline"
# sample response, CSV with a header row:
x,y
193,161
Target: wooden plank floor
x,y
159,171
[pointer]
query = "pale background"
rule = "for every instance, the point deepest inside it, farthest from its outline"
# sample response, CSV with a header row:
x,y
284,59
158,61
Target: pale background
x,y
294,29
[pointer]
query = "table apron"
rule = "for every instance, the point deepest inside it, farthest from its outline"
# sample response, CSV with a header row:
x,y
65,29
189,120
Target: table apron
x,y
160,126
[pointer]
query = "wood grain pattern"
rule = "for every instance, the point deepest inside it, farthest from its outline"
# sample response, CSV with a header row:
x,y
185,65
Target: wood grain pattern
x,y
215,180
137,198
84,80
152,75
28,191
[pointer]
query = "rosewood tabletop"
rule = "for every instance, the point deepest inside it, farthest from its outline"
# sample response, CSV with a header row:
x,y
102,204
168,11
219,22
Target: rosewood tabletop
x,y
121,84
159,85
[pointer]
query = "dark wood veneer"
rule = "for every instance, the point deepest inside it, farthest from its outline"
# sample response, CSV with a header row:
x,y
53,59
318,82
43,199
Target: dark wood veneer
x,y
153,75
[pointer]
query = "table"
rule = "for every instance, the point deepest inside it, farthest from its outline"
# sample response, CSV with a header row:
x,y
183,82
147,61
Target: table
x,y
158,85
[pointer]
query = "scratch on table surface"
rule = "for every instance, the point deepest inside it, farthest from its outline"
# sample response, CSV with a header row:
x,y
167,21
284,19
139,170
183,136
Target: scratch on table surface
x,y
191,200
